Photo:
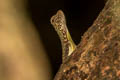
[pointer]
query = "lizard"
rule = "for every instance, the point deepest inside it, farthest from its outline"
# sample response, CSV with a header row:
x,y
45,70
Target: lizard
x,y
59,23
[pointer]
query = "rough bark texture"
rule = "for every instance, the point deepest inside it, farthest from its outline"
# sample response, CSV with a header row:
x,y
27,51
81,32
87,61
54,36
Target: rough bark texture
x,y
97,57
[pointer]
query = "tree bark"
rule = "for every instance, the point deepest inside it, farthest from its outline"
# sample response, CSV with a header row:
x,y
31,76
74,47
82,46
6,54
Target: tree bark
x,y
97,56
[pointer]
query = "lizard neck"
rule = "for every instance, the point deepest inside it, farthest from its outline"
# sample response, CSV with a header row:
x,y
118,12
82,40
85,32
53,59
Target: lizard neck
x,y
68,46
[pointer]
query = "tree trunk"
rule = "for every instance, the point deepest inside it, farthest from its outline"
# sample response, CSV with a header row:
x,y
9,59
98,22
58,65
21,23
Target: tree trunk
x,y
97,57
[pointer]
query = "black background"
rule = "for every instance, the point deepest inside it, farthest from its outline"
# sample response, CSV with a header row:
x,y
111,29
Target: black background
x,y
80,15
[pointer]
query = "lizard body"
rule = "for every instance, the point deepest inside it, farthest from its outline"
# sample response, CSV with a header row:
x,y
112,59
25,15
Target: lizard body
x,y
59,23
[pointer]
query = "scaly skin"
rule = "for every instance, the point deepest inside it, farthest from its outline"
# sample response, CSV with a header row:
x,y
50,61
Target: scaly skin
x,y
59,23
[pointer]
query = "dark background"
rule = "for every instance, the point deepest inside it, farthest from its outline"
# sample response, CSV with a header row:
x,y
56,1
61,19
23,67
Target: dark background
x,y
80,15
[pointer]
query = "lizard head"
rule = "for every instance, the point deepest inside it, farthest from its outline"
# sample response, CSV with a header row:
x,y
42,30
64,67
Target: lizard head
x,y
58,20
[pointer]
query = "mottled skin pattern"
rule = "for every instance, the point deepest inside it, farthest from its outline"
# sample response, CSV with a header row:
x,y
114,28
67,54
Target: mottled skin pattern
x,y
59,23
97,57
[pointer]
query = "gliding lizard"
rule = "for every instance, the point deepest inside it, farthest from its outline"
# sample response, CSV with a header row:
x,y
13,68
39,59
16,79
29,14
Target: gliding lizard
x,y
59,23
